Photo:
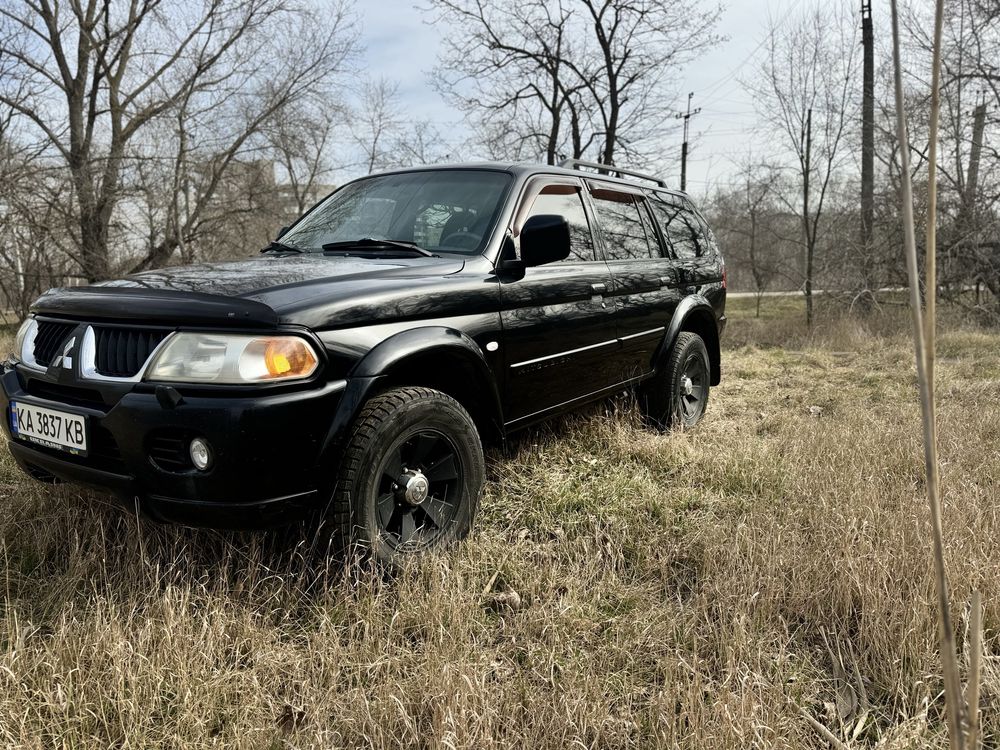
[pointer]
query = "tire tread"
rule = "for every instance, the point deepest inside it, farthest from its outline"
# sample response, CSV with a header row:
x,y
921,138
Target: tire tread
x,y
374,413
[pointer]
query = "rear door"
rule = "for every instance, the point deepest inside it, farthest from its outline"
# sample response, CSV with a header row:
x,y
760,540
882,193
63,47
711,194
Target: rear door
x,y
559,329
646,289
689,240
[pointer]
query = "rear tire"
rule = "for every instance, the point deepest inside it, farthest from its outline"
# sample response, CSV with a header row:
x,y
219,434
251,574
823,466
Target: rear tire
x,y
409,478
678,394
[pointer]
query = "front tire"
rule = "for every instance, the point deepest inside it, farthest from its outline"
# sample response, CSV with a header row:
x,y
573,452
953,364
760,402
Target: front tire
x,y
410,476
678,394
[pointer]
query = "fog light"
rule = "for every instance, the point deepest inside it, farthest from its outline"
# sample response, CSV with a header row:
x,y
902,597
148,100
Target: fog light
x,y
201,454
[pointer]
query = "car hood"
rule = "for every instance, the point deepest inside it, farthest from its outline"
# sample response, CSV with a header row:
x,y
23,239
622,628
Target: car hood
x,y
257,291
259,278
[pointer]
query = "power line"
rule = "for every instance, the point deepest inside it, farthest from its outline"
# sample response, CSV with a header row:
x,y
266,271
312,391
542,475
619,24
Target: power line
x,y
713,87
709,95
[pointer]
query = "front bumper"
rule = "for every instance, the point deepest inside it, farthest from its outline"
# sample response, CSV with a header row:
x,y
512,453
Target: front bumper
x,y
268,450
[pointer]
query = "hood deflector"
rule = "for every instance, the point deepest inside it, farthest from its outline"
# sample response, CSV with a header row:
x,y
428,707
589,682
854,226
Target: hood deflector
x,y
135,304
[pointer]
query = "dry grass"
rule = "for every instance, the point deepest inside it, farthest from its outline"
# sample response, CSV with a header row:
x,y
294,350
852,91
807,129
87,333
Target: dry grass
x,y
686,590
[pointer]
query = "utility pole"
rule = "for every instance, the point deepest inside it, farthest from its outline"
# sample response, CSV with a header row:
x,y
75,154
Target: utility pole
x,y
807,233
867,134
967,219
686,116
972,177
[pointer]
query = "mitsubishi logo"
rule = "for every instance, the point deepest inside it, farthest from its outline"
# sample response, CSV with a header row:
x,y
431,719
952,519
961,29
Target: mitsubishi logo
x,y
66,357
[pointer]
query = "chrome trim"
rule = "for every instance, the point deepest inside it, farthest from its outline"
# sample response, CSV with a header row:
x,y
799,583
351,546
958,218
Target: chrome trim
x,y
27,353
570,352
88,359
650,332
65,358
566,353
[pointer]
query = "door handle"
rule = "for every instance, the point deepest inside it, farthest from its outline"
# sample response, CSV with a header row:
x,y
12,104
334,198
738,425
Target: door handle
x,y
599,289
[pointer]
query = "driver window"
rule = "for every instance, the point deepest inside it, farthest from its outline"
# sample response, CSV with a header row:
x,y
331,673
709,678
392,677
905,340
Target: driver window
x,y
565,201
441,225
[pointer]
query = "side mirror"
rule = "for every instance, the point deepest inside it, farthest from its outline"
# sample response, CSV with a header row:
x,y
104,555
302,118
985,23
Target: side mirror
x,y
281,232
544,239
509,263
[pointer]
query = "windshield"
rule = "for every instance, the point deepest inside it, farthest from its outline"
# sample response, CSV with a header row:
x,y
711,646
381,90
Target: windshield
x,y
450,211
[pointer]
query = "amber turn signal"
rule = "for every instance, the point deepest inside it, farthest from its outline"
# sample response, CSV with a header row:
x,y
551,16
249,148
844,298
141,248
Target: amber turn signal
x,y
288,358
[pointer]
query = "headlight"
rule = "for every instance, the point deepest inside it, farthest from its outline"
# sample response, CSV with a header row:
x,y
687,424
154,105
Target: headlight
x,y
27,331
228,358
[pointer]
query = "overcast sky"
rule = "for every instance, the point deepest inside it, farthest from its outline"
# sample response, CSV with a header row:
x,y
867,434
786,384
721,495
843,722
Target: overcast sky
x,y
401,47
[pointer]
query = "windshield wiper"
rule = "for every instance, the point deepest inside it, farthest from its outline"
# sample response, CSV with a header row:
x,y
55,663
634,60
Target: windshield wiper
x,y
280,247
374,244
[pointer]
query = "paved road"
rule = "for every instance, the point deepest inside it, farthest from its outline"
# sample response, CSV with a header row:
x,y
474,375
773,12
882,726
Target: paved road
x,y
751,295
816,292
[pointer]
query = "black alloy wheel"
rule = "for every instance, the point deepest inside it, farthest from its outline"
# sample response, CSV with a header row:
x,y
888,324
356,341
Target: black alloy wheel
x,y
692,388
419,480
677,395
409,477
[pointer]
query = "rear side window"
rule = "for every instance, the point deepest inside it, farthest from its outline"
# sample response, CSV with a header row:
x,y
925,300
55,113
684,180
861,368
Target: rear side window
x,y
685,231
625,233
565,201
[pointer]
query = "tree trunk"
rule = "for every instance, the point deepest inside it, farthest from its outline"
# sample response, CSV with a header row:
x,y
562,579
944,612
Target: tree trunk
x,y
758,279
158,256
553,138
93,247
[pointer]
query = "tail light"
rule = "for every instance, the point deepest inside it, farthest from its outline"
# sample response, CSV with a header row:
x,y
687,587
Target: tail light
x,y
725,277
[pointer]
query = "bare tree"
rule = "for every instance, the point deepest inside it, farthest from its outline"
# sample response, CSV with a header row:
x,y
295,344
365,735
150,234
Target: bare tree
x,y
569,77
301,141
32,235
746,221
385,135
639,44
805,88
423,143
32,232
507,63
970,96
96,76
969,170
377,122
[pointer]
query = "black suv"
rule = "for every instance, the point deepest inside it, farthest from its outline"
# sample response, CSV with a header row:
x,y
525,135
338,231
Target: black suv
x,y
356,367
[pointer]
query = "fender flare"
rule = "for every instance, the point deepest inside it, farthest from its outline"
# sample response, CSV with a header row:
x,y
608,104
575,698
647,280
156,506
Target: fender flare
x,y
389,352
692,305
394,351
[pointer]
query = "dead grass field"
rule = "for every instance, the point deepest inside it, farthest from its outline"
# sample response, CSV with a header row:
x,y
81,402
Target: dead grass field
x,y
624,589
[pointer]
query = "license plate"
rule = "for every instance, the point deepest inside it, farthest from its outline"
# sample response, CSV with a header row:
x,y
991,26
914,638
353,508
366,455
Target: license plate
x,y
49,427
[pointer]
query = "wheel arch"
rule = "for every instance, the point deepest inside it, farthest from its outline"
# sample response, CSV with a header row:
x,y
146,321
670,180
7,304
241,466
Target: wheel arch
x,y
442,358
695,314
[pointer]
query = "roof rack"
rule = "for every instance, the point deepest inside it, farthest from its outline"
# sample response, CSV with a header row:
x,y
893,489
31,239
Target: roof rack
x,y
577,163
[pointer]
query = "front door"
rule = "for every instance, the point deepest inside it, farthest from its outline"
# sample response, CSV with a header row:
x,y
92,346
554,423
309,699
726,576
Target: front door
x,y
559,329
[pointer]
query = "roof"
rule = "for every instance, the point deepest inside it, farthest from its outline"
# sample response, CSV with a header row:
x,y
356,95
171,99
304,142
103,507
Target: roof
x,y
525,169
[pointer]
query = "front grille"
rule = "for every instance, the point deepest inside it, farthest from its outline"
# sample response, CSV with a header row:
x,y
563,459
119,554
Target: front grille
x,y
121,352
49,338
66,394
168,449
